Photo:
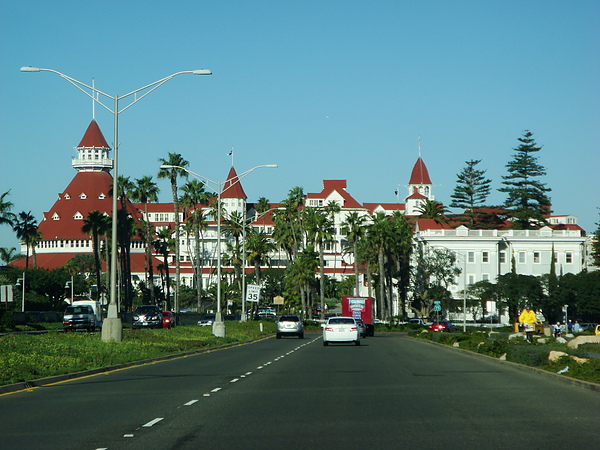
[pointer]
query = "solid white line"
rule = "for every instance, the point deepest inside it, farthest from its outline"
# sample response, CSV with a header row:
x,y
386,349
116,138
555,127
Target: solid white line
x,y
191,402
153,422
216,389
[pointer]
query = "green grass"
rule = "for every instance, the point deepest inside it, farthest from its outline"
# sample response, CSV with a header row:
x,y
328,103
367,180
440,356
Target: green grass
x,y
27,357
521,352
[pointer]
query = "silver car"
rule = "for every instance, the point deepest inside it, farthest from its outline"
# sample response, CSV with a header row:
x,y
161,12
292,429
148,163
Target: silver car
x,y
290,325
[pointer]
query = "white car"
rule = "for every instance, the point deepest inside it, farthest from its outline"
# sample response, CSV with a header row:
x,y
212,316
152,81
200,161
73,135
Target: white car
x,y
341,329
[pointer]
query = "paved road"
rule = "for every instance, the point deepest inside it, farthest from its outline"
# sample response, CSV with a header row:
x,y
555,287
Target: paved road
x,y
391,392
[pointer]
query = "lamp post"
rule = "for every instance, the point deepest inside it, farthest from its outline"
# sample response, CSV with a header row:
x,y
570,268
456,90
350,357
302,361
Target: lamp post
x,y
112,329
21,281
70,284
218,324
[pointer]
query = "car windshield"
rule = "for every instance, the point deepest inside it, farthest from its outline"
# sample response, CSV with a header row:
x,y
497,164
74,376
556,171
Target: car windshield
x,y
146,310
341,320
78,310
289,319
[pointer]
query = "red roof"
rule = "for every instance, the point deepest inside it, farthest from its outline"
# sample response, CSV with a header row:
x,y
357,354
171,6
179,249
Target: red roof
x,y
51,261
386,206
430,224
87,192
338,186
233,186
419,174
93,137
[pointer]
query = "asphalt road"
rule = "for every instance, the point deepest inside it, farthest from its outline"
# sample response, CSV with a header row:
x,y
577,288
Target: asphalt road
x,y
390,392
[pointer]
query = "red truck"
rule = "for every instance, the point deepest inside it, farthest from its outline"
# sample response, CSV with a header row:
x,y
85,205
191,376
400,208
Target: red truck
x,y
360,308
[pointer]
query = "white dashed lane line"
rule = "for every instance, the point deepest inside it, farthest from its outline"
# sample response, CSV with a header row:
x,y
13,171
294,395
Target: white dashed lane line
x,y
152,422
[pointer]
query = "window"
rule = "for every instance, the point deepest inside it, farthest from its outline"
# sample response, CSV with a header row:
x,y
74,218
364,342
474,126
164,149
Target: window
x,y
485,277
471,279
521,257
471,257
536,257
485,257
502,257
569,257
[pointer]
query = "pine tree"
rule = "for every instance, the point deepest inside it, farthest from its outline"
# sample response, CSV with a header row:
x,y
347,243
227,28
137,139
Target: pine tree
x,y
472,189
527,199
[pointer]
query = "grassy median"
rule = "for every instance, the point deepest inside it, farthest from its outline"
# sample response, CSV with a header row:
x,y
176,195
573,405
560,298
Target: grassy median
x,y
27,357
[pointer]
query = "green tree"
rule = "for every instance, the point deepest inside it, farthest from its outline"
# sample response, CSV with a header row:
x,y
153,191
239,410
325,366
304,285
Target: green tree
x,y
431,209
176,160
472,189
163,244
146,191
380,237
526,194
25,227
516,291
96,224
6,216
8,255
354,229
596,245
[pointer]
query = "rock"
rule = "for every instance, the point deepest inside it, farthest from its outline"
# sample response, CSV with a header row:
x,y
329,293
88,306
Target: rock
x,y
541,340
503,357
574,343
456,344
556,355
515,336
561,340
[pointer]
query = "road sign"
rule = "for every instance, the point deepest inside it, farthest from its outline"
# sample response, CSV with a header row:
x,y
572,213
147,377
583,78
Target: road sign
x,y
252,292
437,307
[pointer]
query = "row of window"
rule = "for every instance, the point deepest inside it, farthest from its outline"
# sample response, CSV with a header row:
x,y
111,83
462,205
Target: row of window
x,y
521,257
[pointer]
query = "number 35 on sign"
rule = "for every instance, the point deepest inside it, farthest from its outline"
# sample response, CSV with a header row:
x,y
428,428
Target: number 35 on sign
x,y
252,292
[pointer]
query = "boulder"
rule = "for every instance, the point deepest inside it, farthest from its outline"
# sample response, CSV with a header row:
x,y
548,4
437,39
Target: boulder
x,y
574,343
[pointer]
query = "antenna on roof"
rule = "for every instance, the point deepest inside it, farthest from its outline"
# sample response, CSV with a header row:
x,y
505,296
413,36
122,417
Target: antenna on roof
x,y
419,145
93,100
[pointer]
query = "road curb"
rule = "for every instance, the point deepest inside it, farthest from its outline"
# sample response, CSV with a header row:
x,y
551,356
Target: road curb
x,y
41,382
571,381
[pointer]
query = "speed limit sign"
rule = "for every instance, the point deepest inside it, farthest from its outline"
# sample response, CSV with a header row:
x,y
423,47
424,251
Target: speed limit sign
x,y
252,292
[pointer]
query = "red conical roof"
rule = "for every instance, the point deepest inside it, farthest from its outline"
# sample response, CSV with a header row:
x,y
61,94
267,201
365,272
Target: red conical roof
x,y
233,188
419,174
93,137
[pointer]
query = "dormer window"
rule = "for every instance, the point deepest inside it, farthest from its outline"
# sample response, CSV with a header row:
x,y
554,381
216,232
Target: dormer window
x,y
102,196
67,196
55,216
78,216
82,196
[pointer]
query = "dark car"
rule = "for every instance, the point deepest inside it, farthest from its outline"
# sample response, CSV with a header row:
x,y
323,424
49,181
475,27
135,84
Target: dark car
x,y
442,326
147,316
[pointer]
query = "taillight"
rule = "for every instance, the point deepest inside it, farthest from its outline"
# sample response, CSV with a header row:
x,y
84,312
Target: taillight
x,y
328,329
353,329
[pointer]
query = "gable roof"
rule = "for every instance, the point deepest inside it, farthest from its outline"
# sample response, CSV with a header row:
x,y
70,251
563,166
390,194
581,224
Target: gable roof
x,y
233,187
93,137
339,186
419,174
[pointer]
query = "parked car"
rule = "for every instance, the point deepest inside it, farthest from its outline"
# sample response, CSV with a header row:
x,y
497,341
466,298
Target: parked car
x,y
441,326
362,328
168,319
290,325
79,317
206,320
341,329
597,330
415,321
147,316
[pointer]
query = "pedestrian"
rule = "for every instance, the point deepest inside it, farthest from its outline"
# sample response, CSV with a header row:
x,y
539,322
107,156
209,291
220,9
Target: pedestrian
x,y
570,326
557,330
576,327
528,320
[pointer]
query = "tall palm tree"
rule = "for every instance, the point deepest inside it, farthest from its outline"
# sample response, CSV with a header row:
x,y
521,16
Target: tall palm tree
x,y
380,235
175,159
96,224
146,191
26,228
234,226
262,207
301,275
258,247
6,217
401,253
430,209
320,229
163,245
193,196
353,228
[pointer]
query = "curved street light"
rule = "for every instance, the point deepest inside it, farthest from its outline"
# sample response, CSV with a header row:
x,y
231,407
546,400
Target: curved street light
x,y
112,327
218,324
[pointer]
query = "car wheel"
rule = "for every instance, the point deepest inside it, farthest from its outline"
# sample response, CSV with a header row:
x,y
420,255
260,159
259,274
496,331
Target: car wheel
x,y
278,336
357,342
301,336
325,343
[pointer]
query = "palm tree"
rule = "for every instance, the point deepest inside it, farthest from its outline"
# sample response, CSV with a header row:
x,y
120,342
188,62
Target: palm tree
x,y
9,254
26,228
96,224
380,236
353,228
163,245
430,209
194,195
262,207
401,253
146,191
6,217
258,247
234,226
125,231
320,229
175,159
301,274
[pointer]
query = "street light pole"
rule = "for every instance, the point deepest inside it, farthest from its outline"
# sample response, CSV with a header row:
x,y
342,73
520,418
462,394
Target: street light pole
x,y
218,324
112,329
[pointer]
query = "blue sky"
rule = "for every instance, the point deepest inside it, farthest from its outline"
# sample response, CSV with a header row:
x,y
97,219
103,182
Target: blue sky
x,y
324,89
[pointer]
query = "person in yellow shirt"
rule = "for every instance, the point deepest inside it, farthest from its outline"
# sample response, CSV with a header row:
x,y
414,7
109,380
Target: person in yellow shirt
x,y
528,320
